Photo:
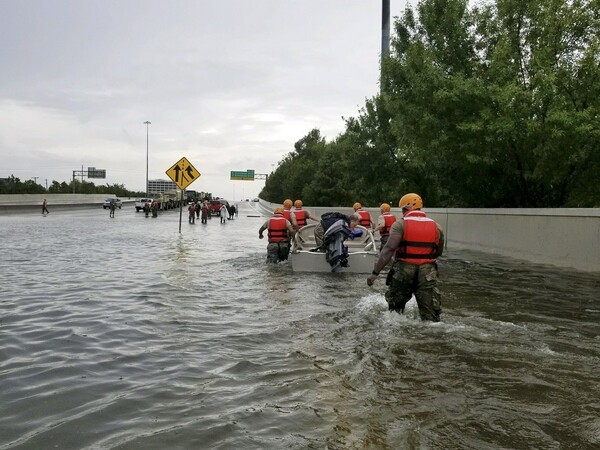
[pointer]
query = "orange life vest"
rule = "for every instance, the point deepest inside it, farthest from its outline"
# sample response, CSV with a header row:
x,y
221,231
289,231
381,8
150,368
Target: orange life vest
x,y
389,221
277,228
420,240
365,218
300,217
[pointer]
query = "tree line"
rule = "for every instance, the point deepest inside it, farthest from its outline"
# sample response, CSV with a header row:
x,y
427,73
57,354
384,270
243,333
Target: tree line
x,y
13,185
494,104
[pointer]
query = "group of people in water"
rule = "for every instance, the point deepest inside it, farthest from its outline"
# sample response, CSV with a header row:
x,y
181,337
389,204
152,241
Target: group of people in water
x,y
151,207
202,210
414,242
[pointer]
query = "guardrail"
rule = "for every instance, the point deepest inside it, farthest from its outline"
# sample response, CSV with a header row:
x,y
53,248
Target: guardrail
x,y
25,203
563,237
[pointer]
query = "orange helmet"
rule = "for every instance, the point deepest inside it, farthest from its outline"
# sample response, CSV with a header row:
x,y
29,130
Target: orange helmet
x,y
410,201
298,203
385,207
357,206
287,203
279,210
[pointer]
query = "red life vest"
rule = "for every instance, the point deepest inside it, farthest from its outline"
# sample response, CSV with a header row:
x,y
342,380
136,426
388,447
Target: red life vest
x,y
365,218
300,217
420,240
389,221
287,214
277,228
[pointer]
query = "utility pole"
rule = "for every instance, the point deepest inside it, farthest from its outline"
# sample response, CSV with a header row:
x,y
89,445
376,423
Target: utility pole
x,y
34,179
385,36
147,123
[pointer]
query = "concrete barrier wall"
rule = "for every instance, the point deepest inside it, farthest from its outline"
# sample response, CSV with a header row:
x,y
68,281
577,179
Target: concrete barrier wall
x,y
29,203
53,199
564,237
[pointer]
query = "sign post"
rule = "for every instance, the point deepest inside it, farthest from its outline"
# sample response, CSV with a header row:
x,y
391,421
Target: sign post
x,y
183,174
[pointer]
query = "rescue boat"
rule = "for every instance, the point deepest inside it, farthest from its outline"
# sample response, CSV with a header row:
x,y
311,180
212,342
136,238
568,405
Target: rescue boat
x,y
360,253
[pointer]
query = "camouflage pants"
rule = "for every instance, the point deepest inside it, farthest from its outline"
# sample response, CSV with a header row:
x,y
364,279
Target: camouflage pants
x,y
319,234
408,279
383,240
277,251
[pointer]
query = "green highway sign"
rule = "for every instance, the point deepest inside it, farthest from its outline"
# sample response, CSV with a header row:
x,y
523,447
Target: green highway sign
x,y
247,175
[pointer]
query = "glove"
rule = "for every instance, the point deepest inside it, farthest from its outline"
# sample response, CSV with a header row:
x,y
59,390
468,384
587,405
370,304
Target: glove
x,y
355,233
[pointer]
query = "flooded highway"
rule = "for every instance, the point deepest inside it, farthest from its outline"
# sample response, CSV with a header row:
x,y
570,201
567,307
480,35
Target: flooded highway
x,y
125,334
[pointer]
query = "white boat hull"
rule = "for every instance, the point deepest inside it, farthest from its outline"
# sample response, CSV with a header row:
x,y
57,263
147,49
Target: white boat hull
x,y
304,261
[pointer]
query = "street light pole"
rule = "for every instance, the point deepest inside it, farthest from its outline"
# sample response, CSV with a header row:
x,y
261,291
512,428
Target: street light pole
x,y
147,123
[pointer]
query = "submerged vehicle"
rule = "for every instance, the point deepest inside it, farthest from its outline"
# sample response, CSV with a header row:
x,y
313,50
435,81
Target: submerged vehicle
x,y
360,253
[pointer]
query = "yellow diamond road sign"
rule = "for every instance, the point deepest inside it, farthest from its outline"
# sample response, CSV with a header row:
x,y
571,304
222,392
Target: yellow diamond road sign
x,y
183,173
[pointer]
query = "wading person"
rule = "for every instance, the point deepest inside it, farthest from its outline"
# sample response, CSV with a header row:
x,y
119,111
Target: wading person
x,y
112,208
45,207
415,242
192,213
205,212
365,216
302,214
384,224
280,231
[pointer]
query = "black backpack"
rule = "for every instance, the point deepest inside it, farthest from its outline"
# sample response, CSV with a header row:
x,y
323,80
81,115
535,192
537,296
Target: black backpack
x,y
330,218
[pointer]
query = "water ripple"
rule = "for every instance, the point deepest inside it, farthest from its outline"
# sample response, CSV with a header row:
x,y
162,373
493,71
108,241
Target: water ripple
x,y
123,333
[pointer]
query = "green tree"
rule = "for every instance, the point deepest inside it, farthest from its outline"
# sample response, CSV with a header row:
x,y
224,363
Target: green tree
x,y
496,105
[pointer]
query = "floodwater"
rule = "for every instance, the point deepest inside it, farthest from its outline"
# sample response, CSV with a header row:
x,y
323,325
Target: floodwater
x,y
125,334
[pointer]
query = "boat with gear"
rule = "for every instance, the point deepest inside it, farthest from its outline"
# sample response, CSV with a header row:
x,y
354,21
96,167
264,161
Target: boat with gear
x,y
360,252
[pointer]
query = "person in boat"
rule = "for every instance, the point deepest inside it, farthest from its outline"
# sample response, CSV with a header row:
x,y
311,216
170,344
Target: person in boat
x,y
328,219
415,242
302,215
280,232
384,223
330,235
365,216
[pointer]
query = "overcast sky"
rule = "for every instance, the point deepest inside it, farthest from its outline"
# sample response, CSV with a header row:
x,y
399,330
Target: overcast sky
x,y
229,84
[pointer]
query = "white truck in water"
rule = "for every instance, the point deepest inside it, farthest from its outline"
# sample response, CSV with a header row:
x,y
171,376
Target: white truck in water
x,y
140,202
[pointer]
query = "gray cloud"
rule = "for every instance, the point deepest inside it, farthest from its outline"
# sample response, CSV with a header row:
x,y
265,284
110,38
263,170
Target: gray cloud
x,y
230,85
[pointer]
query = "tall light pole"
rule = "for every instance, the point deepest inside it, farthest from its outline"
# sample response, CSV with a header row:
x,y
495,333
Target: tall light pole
x,y
147,123
385,37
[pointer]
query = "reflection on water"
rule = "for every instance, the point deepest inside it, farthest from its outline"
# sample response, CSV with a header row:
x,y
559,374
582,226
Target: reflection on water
x,y
123,333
